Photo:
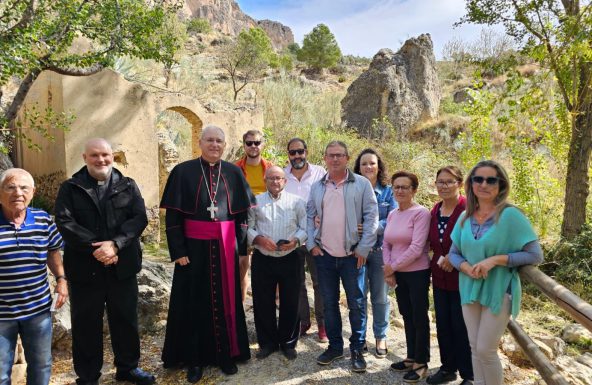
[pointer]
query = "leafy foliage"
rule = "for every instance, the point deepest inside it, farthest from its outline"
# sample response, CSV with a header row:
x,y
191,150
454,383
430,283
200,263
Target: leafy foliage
x,y
247,57
319,48
558,35
41,35
199,25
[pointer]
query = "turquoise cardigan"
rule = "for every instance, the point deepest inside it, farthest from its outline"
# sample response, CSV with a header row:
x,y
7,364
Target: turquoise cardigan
x,y
509,234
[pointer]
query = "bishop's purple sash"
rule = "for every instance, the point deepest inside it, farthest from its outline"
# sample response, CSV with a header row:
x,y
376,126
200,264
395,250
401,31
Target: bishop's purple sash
x,y
225,233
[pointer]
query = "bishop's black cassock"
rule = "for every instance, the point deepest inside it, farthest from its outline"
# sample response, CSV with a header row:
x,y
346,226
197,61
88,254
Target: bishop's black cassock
x,y
206,321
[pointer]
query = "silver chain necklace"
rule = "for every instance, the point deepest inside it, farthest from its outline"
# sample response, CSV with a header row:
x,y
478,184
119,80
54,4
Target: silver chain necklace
x,y
212,208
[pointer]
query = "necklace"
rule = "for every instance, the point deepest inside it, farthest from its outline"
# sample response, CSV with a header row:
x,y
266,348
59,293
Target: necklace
x,y
212,208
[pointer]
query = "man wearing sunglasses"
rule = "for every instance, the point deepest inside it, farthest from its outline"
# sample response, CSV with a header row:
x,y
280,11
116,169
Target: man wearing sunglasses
x,y
254,167
300,175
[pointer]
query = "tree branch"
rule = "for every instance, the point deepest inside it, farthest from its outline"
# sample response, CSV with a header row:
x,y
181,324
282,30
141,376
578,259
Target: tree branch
x,y
76,71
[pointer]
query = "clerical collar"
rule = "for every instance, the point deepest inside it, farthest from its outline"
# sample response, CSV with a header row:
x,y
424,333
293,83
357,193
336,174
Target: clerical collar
x,y
208,163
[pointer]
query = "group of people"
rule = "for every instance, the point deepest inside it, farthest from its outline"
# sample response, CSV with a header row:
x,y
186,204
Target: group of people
x,y
348,227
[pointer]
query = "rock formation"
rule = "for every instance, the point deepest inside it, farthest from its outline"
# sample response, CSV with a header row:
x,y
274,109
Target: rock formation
x,y
227,17
399,89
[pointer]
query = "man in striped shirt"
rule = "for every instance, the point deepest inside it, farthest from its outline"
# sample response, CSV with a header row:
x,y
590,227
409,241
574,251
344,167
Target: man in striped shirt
x,y
277,227
29,243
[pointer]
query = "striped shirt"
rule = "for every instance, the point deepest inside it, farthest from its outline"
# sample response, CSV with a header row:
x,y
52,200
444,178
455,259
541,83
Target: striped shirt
x,y
282,218
24,287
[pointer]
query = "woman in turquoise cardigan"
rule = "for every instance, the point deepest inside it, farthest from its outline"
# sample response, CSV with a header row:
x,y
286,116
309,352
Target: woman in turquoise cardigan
x,y
490,240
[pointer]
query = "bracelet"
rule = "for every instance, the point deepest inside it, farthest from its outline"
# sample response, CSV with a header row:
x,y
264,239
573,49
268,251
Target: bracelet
x,y
58,277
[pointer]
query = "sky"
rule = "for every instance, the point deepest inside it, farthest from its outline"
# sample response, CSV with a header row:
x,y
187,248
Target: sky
x,y
362,27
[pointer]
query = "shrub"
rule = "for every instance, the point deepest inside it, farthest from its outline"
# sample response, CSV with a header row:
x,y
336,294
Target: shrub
x,y
199,25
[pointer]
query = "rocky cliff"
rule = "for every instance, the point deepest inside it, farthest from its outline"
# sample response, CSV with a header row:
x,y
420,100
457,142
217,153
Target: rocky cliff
x,y
227,17
401,87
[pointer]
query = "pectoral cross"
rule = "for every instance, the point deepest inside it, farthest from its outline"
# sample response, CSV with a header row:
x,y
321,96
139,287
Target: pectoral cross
x,y
212,209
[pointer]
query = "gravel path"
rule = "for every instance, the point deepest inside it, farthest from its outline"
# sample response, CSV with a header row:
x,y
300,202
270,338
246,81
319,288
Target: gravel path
x,y
276,369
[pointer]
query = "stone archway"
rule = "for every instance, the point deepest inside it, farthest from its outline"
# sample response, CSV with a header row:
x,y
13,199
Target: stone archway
x,y
196,126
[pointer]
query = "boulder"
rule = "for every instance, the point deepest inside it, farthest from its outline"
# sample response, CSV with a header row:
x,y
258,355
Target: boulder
x,y
401,88
462,95
556,344
576,334
573,371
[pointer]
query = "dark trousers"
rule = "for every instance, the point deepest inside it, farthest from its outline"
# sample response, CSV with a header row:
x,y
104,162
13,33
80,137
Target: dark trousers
x,y
304,306
87,304
453,342
267,273
412,298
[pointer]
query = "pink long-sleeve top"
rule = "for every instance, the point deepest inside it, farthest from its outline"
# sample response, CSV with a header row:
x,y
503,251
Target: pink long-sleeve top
x,y
405,246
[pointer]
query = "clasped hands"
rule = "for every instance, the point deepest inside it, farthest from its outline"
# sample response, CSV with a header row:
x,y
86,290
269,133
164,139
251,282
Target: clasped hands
x,y
106,252
480,269
268,244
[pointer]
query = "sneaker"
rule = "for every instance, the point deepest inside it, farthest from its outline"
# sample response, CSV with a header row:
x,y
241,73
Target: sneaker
x,y
137,376
329,356
381,352
358,362
441,377
323,335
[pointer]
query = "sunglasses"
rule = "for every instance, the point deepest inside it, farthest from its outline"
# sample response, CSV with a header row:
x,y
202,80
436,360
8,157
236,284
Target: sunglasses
x,y
490,180
300,151
250,143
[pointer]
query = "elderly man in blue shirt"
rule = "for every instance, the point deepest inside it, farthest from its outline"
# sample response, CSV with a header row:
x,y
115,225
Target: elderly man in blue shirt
x,y
29,243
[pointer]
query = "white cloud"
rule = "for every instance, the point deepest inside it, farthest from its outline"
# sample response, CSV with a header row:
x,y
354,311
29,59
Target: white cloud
x,y
363,27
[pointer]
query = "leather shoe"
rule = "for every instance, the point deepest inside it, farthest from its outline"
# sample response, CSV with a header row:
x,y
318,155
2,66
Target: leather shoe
x,y
289,353
265,352
323,335
137,376
358,362
194,374
229,368
466,382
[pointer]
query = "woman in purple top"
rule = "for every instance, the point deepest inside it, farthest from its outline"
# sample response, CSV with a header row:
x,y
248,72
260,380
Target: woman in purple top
x,y
453,342
407,267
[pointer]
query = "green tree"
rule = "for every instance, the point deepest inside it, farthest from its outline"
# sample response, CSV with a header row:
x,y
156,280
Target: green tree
x,y
558,34
199,25
38,35
319,48
247,57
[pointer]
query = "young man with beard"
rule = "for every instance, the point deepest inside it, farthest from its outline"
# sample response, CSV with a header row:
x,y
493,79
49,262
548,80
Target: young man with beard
x,y
300,175
253,167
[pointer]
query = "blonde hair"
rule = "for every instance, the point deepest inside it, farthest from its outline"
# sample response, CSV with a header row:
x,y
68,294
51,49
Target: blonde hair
x,y
501,200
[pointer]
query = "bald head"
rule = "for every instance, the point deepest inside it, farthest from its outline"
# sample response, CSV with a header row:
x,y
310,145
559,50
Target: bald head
x,y
98,156
275,170
97,142
209,129
13,173
275,180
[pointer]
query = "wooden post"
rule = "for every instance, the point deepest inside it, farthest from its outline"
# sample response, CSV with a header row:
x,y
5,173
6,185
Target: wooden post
x,y
579,309
546,369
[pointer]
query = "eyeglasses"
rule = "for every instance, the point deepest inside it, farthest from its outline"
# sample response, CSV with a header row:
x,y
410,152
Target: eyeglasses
x,y
275,178
490,180
402,188
11,188
250,143
300,151
335,156
445,183
214,140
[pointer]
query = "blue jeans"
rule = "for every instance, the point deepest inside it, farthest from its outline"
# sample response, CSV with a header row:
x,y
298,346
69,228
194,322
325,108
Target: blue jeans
x,y
378,288
35,334
330,270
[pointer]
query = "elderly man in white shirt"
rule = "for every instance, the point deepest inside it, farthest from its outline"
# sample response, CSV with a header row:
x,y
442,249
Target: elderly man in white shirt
x,y
277,227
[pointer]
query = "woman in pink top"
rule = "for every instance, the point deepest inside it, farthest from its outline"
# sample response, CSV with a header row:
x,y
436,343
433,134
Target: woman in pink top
x,y
407,268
